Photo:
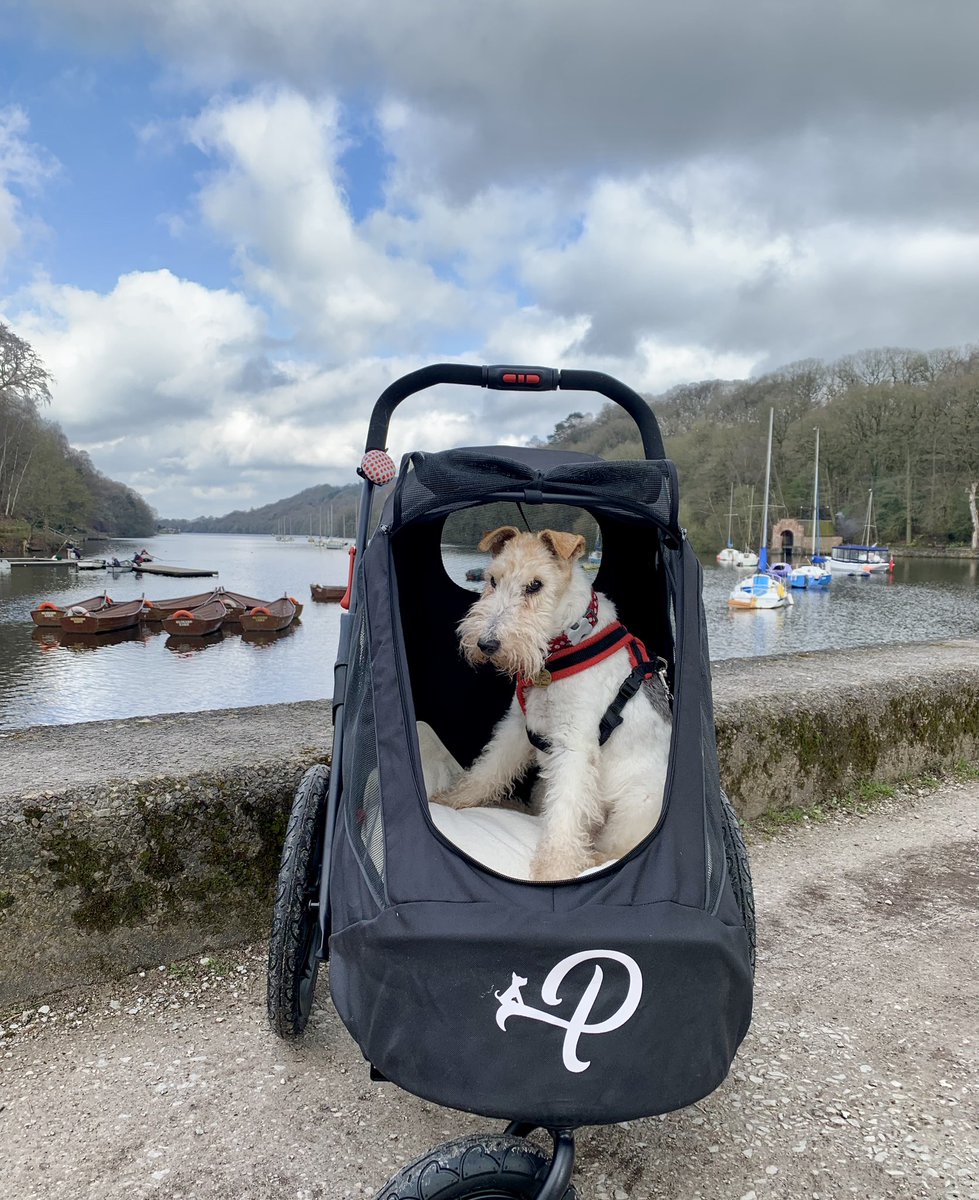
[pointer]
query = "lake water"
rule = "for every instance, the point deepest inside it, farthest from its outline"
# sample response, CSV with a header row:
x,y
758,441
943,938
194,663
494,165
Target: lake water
x,y
44,681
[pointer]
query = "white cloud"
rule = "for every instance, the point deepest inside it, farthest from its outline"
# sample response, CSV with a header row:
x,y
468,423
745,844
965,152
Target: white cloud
x,y
275,197
23,168
664,191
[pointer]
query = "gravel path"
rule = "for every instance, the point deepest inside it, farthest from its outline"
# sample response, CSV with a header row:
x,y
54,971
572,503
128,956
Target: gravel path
x,y
858,1079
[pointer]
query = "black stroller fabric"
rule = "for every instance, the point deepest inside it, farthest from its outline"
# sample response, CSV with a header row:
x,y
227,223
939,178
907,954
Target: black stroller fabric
x,y
619,995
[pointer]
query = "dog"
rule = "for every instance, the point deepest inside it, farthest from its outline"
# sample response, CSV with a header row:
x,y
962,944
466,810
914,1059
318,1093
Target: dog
x,y
539,621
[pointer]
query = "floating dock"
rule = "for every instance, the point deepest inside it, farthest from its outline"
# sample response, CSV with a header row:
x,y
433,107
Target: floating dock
x,y
176,572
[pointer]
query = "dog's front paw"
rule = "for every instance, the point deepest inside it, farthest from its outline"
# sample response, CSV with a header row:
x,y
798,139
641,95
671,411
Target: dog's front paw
x,y
550,864
457,797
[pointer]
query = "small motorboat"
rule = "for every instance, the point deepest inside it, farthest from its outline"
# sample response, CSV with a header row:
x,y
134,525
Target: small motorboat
x,y
327,593
48,614
476,574
811,575
196,622
106,620
269,617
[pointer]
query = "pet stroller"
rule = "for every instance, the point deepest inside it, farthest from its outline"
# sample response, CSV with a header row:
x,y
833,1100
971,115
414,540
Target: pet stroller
x,y
620,994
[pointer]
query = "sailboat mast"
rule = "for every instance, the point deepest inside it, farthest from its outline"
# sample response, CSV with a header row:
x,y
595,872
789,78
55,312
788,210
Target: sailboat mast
x,y
763,552
751,514
730,518
870,517
815,501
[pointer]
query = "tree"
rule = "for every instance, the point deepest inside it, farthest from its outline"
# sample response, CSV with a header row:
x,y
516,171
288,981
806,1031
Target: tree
x,y
24,387
570,423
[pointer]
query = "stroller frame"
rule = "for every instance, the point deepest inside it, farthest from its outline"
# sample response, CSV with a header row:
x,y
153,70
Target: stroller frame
x,y
302,918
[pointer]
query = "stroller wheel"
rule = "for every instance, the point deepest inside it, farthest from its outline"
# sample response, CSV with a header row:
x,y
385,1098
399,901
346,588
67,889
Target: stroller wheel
x,y
294,947
739,870
487,1167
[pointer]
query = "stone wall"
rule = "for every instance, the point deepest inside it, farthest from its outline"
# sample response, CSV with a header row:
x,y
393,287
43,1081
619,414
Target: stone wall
x,y
132,843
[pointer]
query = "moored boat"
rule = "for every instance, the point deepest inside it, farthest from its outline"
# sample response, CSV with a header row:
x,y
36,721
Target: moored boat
x,y
269,617
762,590
48,614
810,575
329,593
236,603
196,622
729,556
868,558
814,573
108,619
850,559
159,610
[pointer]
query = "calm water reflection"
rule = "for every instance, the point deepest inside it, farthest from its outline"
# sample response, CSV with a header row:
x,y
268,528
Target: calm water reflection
x,y
48,678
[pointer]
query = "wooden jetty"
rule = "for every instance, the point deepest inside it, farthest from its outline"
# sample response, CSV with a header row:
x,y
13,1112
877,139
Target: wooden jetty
x,y
175,572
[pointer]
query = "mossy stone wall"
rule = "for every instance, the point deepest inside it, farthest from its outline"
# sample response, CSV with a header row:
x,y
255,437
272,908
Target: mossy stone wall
x,y
100,875
97,881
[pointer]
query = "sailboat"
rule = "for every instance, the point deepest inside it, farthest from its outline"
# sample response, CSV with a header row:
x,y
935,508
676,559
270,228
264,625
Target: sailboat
x,y
729,556
747,557
333,542
815,573
594,560
761,590
866,559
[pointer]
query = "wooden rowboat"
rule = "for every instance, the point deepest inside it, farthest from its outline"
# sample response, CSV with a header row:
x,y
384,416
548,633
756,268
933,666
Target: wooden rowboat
x,y
48,615
265,618
159,610
326,593
237,603
197,622
112,617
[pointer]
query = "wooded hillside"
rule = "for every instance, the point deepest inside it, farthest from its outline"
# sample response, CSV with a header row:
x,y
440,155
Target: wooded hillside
x,y
44,482
321,509
902,422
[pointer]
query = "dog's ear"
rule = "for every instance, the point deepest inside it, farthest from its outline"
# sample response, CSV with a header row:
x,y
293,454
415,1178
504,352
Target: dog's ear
x,y
496,539
568,546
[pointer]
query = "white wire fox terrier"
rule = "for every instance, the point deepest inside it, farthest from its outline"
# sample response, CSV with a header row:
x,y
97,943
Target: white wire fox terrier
x,y
539,621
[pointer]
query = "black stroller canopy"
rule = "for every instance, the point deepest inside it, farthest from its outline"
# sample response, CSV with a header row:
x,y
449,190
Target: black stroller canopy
x,y
431,485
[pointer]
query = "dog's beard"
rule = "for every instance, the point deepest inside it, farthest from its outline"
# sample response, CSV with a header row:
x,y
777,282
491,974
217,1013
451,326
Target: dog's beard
x,y
527,660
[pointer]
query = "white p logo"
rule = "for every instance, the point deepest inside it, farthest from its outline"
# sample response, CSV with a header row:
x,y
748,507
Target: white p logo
x,y
512,1003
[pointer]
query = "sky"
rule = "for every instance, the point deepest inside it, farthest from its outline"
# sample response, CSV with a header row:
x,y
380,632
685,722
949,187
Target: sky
x,y
227,225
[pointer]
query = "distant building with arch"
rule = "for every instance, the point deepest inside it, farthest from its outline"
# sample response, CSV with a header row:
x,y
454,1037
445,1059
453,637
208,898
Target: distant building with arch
x,y
792,538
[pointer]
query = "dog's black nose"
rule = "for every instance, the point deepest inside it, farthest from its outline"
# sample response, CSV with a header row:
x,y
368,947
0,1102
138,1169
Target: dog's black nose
x,y
488,646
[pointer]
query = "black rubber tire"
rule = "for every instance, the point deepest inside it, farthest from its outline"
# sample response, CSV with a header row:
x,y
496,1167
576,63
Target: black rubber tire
x,y
739,870
485,1167
294,944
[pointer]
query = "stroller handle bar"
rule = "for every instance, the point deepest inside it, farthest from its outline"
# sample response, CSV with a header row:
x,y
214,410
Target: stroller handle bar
x,y
515,379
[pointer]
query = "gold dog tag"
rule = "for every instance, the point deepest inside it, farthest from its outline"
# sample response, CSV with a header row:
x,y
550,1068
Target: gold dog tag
x,y
542,678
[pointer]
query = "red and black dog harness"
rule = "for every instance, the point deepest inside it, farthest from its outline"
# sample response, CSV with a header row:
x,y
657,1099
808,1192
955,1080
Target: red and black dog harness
x,y
567,659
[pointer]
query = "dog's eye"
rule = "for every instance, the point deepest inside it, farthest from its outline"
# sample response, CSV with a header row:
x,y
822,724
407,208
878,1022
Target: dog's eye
x,y
492,582
535,585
